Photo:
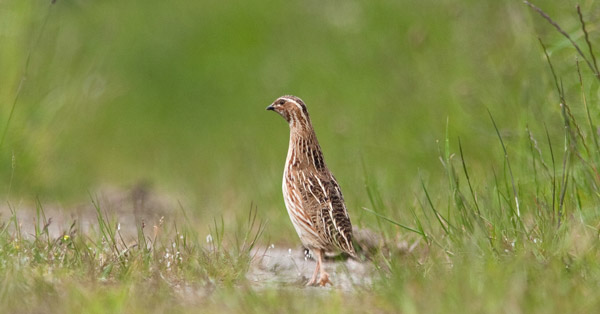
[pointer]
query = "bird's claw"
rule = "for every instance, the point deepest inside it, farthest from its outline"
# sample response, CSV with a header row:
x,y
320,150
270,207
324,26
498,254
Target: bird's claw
x,y
324,280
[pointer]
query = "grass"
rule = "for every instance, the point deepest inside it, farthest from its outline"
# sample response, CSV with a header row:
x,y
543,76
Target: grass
x,y
502,210
42,272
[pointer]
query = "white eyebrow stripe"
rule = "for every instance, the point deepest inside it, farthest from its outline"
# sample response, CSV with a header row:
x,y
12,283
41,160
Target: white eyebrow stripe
x,y
298,105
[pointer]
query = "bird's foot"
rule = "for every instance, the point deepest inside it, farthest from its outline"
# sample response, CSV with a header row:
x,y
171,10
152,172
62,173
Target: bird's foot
x,y
324,280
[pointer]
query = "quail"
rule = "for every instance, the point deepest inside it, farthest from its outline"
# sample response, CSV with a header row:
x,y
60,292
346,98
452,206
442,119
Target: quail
x,y
311,193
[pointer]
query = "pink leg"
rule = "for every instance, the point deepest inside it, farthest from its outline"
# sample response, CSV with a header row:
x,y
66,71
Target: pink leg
x,y
313,280
324,278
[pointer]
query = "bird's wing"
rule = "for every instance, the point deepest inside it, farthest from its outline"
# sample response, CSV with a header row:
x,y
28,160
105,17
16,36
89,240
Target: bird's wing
x,y
324,205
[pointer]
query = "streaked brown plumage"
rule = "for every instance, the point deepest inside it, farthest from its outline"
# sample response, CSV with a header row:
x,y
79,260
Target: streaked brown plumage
x,y
312,196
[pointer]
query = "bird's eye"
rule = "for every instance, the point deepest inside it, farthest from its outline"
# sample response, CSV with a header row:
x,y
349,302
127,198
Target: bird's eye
x,y
281,102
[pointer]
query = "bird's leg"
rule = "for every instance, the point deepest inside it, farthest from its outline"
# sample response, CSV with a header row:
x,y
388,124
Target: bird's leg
x,y
313,280
324,277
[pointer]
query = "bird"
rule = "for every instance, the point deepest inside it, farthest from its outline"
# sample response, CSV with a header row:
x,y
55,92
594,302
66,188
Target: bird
x,y
311,194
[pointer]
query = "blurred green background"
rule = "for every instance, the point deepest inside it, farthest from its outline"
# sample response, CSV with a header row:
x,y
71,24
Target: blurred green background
x,y
174,92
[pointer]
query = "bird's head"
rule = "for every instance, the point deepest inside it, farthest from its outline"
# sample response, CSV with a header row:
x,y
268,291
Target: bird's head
x,y
292,109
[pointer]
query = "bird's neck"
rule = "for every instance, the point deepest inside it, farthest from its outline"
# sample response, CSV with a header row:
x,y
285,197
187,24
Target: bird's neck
x,y
304,149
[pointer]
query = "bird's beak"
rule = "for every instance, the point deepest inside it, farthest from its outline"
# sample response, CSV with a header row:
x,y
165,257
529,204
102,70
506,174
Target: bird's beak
x,y
271,107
